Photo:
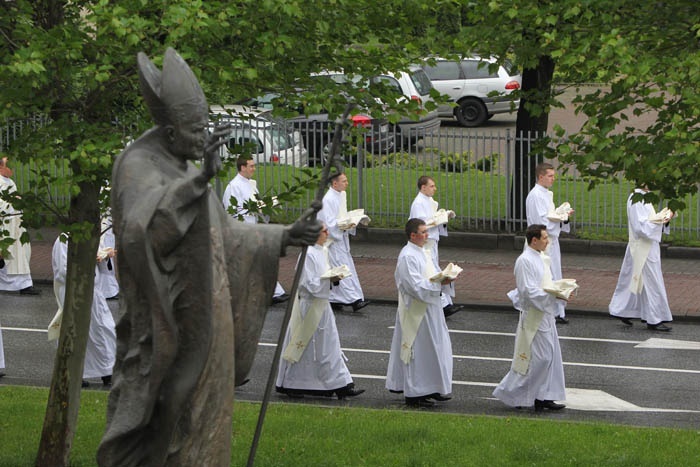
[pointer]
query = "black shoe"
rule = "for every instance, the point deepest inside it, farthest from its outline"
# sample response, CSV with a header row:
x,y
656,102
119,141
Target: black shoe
x,y
393,391
84,384
291,393
561,320
336,306
551,405
29,291
658,327
359,304
107,381
348,391
626,321
438,397
450,310
2,373
280,298
419,402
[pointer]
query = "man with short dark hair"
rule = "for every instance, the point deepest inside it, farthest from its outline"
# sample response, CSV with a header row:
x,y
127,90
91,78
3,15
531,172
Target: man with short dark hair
x,y
420,362
536,376
425,207
335,207
244,188
540,209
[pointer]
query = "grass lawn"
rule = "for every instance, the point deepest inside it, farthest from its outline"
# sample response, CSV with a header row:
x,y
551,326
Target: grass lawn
x,y
296,435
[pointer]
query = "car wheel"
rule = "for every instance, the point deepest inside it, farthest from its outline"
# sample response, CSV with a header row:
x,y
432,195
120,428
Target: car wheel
x,y
471,112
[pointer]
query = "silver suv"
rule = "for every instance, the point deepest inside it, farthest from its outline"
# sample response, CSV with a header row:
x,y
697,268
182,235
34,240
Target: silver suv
x,y
473,86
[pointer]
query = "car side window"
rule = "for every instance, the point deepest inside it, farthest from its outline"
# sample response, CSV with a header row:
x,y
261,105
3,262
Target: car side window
x,y
391,84
476,69
443,71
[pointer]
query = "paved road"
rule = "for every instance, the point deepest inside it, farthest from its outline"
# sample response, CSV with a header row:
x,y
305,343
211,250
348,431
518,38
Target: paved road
x,y
610,375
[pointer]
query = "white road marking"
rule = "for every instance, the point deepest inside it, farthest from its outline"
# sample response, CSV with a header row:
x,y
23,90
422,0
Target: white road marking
x,y
509,359
596,400
656,343
512,334
25,329
576,399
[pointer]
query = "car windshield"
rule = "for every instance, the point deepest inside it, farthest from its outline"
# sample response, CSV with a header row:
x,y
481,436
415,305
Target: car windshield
x,y
280,139
510,67
421,81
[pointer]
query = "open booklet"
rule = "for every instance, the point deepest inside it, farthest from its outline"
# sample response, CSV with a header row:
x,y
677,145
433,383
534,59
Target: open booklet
x,y
562,288
440,217
560,214
661,217
341,271
352,219
451,271
103,253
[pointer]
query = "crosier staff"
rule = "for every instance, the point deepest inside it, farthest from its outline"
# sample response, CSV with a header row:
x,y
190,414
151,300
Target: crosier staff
x,y
316,205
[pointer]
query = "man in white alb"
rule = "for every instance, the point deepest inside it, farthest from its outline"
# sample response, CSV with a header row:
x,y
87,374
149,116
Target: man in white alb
x,y
243,187
420,361
14,266
313,362
640,291
540,209
536,375
101,350
425,207
335,206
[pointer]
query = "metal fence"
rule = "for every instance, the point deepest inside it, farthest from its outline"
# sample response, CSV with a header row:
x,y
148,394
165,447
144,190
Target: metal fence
x,y
473,169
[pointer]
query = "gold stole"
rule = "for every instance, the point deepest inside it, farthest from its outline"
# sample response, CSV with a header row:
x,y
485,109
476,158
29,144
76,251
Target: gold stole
x,y
411,317
530,325
639,249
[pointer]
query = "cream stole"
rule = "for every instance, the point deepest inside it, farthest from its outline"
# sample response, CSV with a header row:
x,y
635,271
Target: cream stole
x,y
639,249
411,317
529,326
303,328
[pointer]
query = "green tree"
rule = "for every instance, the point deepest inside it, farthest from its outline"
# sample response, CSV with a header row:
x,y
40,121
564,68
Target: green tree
x,y
644,55
75,63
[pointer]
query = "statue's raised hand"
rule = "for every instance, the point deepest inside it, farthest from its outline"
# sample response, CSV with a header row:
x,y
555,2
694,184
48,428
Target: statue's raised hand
x,y
306,229
212,156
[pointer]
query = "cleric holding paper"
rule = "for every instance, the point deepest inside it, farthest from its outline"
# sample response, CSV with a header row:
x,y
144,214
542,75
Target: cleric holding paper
x,y
640,291
313,362
540,209
190,277
420,362
536,376
335,208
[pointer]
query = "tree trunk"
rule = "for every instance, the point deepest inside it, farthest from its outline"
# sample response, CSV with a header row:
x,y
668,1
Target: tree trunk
x,y
530,125
64,396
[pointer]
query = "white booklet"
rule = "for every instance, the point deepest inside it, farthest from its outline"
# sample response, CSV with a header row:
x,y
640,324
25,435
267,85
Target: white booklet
x,y
560,214
341,271
440,217
353,218
562,288
451,271
662,216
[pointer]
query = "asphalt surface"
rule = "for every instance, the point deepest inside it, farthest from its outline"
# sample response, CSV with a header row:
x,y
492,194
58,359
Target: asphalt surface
x,y
614,373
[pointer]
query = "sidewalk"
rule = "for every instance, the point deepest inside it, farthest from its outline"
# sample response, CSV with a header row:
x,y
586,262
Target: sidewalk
x,y
487,260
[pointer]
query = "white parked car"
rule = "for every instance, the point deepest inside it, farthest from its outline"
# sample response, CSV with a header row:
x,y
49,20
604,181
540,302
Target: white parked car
x,y
478,91
256,132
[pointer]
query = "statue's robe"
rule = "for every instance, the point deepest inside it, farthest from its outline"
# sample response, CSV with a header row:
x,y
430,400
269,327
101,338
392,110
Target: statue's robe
x,y
195,287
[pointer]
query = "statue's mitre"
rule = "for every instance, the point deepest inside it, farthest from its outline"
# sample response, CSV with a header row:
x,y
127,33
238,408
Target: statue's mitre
x,y
173,94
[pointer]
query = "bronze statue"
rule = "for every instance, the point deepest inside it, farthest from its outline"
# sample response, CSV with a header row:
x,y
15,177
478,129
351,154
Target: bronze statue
x,y
196,285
